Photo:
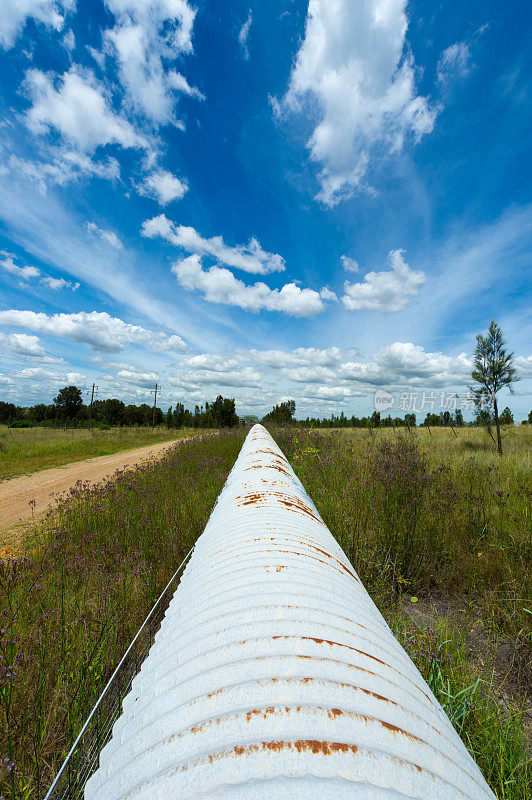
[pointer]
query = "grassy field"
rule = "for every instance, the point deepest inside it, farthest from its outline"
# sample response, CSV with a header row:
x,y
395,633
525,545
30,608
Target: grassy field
x,y
438,528
25,450
69,608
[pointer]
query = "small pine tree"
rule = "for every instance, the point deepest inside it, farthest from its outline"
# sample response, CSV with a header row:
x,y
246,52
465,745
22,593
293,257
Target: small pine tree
x,y
506,418
493,368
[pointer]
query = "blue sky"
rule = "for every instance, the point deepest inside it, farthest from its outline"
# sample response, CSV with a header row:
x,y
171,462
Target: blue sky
x,y
267,200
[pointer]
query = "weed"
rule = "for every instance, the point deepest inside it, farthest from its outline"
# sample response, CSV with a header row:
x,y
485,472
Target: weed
x,y
438,514
70,608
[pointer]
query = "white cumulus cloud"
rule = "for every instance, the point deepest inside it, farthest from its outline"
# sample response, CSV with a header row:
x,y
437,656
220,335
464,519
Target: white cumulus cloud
x,y
22,344
29,273
404,363
300,357
328,393
147,35
14,13
164,187
77,107
354,71
524,366
249,258
213,362
389,290
246,376
138,377
316,374
24,273
219,285
59,283
99,330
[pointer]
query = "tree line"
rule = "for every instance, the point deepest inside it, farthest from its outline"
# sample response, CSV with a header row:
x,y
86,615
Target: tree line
x,y
493,370
442,420
68,409
284,413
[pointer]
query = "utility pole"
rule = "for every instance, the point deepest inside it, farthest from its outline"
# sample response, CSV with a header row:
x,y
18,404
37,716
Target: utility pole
x,y
157,387
90,407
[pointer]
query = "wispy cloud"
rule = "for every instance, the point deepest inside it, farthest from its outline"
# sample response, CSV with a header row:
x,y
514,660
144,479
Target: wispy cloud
x,y
243,35
249,258
107,236
454,63
349,264
30,273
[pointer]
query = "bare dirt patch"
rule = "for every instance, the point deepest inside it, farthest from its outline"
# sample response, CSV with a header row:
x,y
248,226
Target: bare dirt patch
x,y
18,495
504,664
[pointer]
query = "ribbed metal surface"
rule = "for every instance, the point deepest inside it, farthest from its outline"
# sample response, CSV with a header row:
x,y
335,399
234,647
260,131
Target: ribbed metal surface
x,y
274,675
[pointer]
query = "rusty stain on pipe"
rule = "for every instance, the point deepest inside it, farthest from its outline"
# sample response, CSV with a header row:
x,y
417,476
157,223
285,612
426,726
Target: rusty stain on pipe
x,y
274,675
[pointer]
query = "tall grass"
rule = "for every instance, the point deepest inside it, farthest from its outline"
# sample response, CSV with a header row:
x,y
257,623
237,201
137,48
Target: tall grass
x,y
422,516
412,517
24,450
70,609
417,517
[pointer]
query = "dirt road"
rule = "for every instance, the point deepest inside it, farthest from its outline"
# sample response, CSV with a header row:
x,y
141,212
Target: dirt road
x,y
16,493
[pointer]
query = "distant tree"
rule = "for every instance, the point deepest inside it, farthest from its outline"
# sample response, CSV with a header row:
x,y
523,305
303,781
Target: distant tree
x,y
180,414
169,418
39,412
375,419
410,419
9,412
133,415
146,412
458,418
484,418
281,414
530,417
493,368
506,418
446,419
432,420
113,411
68,402
223,413
97,410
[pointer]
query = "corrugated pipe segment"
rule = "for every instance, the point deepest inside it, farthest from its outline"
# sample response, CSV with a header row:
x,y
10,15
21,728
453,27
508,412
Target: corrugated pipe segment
x,y
274,675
